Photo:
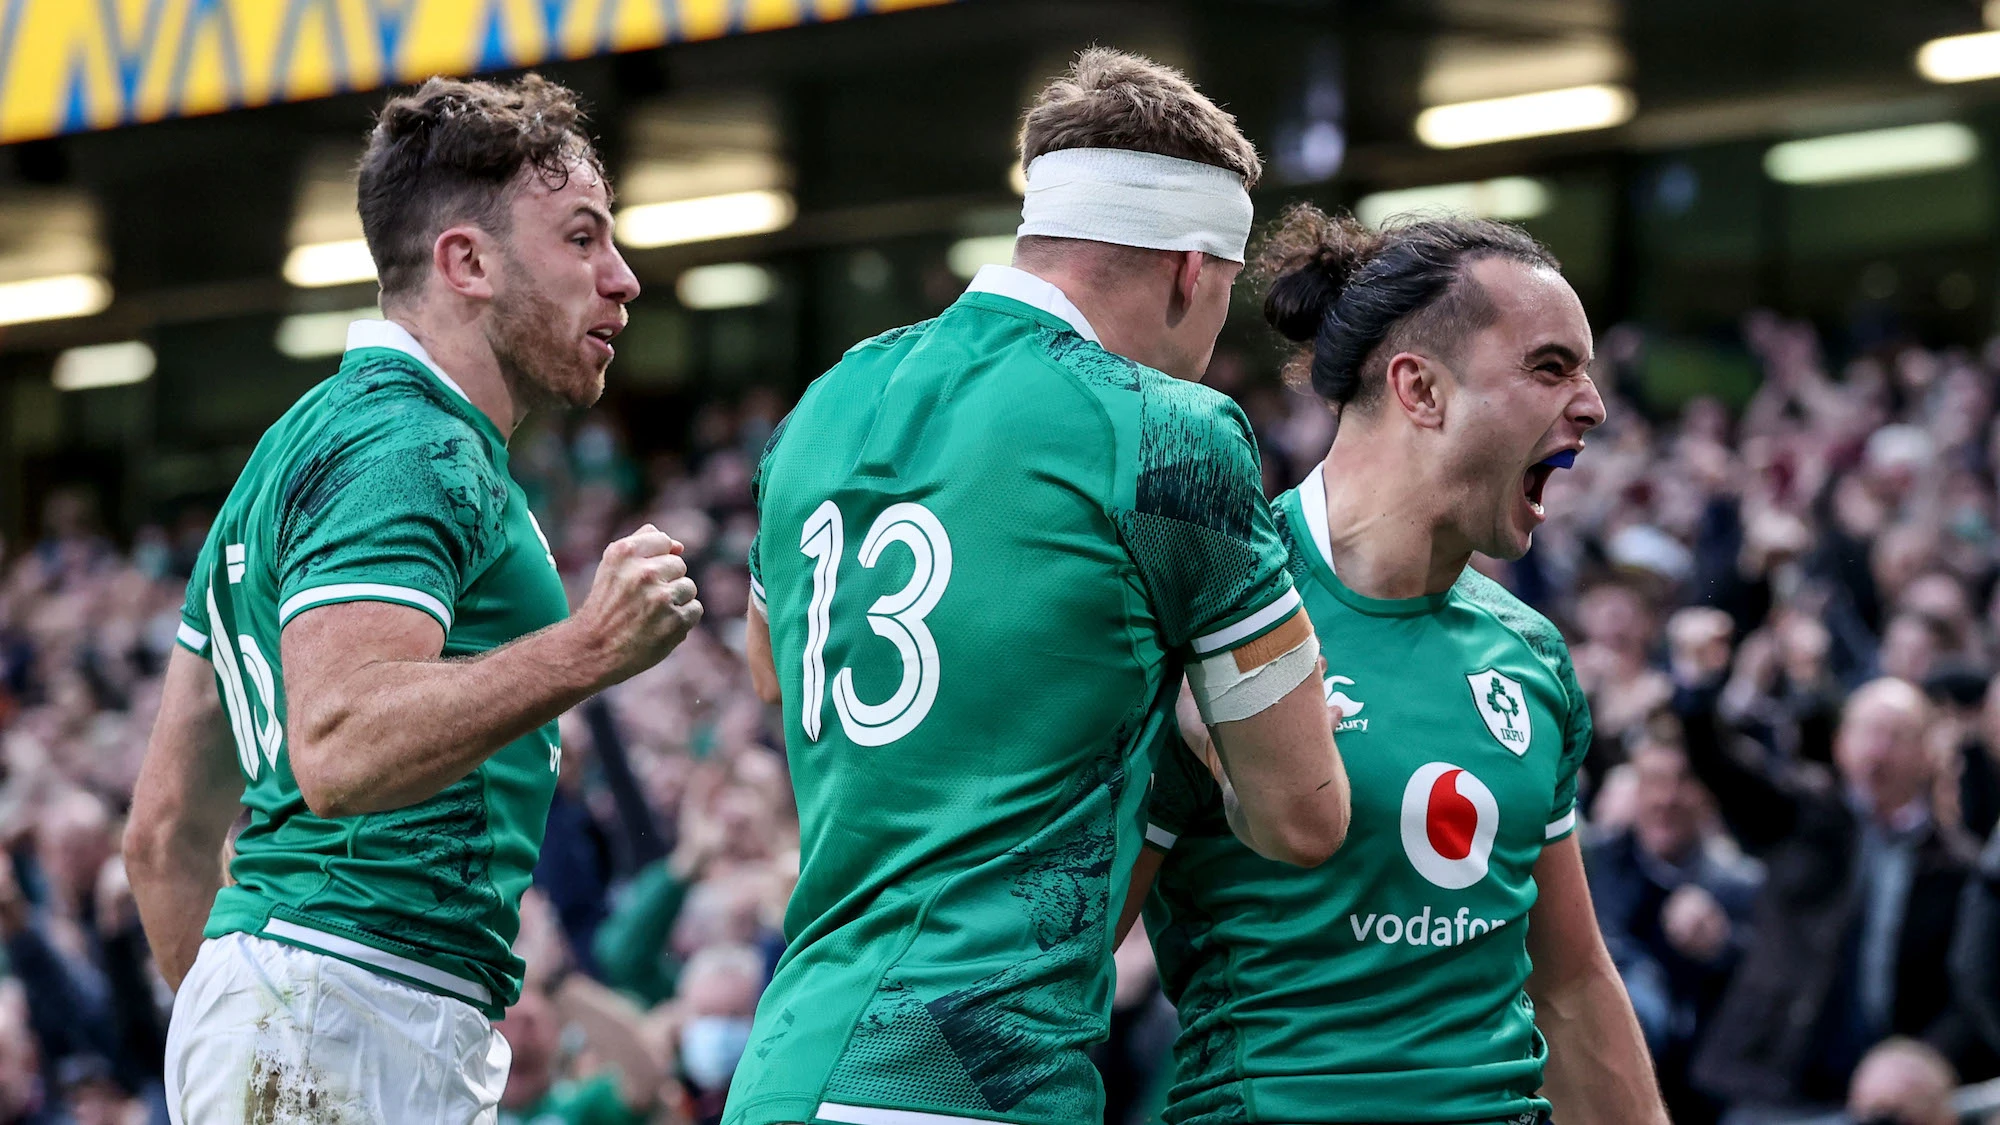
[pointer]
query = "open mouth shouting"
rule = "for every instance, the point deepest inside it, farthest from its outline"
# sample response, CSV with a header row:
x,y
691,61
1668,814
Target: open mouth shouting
x,y
1537,478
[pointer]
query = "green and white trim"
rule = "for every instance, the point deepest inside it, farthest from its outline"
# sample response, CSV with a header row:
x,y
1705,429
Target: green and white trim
x,y
1561,826
1249,628
389,334
364,592
871,1115
192,639
347,949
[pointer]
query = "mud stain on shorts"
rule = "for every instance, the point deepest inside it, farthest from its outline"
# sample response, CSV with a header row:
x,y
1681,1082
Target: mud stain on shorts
x,y
284,1093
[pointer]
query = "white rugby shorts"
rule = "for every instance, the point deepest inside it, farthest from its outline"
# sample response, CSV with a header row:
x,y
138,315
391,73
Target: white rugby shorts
x,y
271,1034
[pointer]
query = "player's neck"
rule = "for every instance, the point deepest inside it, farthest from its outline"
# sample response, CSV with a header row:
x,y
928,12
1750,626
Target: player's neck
x,y
462,352
1125,322
1385,529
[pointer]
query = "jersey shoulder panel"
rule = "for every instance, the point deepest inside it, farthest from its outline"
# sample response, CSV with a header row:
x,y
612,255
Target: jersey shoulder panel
x,y
1542,638
1191,506
1536,631
394,482
906,334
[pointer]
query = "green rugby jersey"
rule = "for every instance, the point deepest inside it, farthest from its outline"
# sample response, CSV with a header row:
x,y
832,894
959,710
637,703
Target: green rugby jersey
x,y
987,548
1387,984
382,484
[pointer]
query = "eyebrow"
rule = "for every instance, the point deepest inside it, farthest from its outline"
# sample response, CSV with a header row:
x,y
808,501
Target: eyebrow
x,y
1560,351
598,216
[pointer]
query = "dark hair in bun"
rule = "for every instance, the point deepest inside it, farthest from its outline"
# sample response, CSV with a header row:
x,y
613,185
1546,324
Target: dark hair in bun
x,y
1359,296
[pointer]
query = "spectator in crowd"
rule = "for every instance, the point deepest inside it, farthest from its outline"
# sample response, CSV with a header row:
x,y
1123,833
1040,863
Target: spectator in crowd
x,y
25,1098
621,1076
1903,1082
1975,955
715,998
1854,922
82,958
1674,904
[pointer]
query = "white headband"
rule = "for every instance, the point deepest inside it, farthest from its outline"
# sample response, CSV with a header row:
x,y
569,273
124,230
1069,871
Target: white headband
x,y
1137,199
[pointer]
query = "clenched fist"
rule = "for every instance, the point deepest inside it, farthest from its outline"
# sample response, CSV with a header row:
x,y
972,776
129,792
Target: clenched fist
x,y
641,604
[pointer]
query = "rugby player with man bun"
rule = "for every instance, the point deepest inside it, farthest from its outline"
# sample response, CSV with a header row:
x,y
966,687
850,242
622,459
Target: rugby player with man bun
x,y
1446,966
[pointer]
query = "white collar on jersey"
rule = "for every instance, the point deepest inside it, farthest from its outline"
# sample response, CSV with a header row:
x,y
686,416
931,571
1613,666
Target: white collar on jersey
x,y
1022,286
395,337
1312,498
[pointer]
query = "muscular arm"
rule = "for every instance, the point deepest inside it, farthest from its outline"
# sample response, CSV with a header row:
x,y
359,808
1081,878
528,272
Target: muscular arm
x,y
1286,789
375,720
187,795
1598,1070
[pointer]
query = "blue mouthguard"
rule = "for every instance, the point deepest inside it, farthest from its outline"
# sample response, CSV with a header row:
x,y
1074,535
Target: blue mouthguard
x,y
1563,460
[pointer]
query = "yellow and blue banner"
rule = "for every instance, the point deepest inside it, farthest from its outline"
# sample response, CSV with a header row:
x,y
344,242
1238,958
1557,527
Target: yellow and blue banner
x,y
73,65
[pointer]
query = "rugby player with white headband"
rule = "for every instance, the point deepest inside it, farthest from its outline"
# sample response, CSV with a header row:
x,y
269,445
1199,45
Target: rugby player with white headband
x,y
990,545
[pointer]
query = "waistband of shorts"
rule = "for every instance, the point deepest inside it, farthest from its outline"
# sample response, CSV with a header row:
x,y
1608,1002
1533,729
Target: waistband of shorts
x,y
408,970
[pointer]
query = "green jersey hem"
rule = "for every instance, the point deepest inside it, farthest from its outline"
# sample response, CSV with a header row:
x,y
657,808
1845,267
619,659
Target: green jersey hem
x,y
837,1113
1349,1098
408,967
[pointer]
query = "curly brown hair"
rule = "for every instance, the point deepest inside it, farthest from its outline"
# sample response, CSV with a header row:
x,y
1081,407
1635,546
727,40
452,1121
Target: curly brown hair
x,y
450,152
1112,99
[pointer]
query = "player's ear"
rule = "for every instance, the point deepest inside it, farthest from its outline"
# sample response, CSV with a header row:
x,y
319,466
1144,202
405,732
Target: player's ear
x,y
1413,384
462,257
1187,278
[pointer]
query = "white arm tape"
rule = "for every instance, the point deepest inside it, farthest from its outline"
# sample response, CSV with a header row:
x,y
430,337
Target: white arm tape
x,y
1224,693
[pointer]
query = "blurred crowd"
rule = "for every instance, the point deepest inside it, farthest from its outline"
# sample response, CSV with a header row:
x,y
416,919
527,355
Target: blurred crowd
x,y
1784,614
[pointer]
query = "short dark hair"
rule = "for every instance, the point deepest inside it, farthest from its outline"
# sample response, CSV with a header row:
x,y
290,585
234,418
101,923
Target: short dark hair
x,y
1359,296
449,152
1113,99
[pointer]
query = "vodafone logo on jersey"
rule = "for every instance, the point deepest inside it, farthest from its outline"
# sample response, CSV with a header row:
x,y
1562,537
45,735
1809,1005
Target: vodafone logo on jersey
x,y
1449,820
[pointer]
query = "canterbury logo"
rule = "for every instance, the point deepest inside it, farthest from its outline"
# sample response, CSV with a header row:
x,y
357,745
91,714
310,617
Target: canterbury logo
x,y
1350,708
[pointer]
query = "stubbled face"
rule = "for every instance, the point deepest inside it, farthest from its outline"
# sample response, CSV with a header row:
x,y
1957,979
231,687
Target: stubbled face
x,y
559,291
1522,393
1192,341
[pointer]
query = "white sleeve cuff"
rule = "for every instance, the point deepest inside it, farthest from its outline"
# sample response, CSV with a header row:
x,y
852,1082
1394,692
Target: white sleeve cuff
x,y
193,639
364,592
1561,824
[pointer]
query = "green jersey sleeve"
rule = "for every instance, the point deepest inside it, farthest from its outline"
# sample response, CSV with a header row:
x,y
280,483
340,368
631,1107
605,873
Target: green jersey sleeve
x,y
756,502
1199,529
410,511
1576,743
1184,795
193,633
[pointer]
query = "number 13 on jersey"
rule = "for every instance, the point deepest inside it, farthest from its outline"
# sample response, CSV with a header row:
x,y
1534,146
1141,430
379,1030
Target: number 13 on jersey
x,y
897,618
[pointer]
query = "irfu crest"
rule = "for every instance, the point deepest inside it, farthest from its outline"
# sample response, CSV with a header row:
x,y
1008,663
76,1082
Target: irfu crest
x,y
1503,705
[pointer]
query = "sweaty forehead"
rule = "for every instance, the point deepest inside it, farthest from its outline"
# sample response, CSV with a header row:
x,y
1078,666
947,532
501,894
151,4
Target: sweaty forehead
x,y
542,193
1535,306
